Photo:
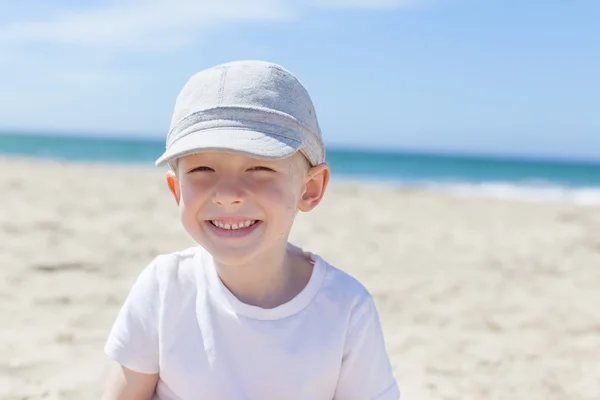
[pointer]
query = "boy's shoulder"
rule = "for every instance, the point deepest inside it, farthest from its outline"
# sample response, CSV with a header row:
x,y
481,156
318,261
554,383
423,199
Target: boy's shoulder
x,y
335,281
176,258
177,266
343,286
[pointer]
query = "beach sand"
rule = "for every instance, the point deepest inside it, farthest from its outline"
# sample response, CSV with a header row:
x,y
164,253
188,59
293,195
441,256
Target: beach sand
x,y
479,298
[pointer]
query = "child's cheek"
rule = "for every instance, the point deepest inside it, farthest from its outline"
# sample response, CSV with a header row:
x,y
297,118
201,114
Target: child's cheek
x,y
271,192
279,201
191,201
192,190
188,196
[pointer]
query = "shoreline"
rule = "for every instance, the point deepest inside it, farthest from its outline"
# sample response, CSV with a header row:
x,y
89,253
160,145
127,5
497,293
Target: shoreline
x,y
534,192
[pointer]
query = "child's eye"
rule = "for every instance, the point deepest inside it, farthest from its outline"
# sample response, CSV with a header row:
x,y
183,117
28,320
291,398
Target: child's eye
x,y
200,169
261,168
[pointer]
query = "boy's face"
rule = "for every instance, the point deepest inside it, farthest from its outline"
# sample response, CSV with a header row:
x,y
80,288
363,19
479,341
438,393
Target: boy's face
x,y
240,208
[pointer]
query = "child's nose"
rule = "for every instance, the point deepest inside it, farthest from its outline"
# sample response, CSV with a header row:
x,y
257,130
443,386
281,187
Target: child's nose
x,y
228,193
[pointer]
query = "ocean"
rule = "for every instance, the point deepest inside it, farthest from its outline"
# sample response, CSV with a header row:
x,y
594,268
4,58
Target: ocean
x,y
527,179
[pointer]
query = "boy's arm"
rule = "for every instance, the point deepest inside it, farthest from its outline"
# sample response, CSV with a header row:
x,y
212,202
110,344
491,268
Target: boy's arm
x,y
366,371
133,342
125,384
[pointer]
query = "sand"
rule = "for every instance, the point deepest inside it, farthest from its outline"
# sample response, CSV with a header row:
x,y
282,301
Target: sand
x,y
479,298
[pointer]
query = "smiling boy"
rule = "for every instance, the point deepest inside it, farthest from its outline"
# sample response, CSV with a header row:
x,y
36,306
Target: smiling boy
x,y
245,314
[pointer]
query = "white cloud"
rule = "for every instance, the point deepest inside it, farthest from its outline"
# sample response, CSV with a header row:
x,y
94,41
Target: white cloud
x,y
150,25
53,54
77,50
140,25
371,4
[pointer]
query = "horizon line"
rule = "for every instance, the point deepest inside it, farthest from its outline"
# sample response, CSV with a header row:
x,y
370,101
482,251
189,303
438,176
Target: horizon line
x,y
383,149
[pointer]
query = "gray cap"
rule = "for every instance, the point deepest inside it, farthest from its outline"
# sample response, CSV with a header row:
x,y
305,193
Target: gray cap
x,y
254,108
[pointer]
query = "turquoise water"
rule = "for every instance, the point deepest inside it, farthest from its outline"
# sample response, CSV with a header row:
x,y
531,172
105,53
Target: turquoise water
x,y
463,173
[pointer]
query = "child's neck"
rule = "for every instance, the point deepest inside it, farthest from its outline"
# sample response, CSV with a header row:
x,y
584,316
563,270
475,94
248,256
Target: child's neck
x,y
269,281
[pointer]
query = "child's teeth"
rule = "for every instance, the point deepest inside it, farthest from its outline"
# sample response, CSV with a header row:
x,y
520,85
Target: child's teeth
x,y
241,225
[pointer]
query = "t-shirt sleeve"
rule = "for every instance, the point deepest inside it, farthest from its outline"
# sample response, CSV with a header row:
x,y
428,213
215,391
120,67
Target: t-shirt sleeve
x,y
366,371
133,339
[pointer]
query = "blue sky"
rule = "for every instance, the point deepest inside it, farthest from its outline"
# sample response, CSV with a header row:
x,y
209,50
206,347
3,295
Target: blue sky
x,y
476,76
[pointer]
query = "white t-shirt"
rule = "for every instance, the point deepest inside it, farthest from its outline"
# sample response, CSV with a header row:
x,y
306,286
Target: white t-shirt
x,y
181,322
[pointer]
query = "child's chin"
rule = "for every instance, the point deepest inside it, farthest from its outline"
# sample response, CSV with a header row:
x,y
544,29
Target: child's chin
x,y
232,257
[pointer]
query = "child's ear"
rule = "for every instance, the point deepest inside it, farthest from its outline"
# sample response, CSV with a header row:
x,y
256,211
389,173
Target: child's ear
x,y
317,179
173,183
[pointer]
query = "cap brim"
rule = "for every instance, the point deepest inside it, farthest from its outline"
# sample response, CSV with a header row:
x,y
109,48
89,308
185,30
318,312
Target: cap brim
x,y
248,142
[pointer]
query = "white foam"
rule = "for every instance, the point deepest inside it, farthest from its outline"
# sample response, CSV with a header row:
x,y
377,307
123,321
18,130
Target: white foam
x,y
530,190
527,191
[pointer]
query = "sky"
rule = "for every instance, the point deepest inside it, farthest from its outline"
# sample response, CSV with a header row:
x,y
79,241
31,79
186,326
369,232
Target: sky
x,y
507,77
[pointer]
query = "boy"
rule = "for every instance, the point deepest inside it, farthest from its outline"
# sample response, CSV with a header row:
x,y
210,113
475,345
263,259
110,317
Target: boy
x,y
246,315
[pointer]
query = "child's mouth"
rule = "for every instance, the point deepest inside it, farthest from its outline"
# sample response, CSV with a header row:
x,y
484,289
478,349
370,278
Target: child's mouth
x,y
240,225
233,230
